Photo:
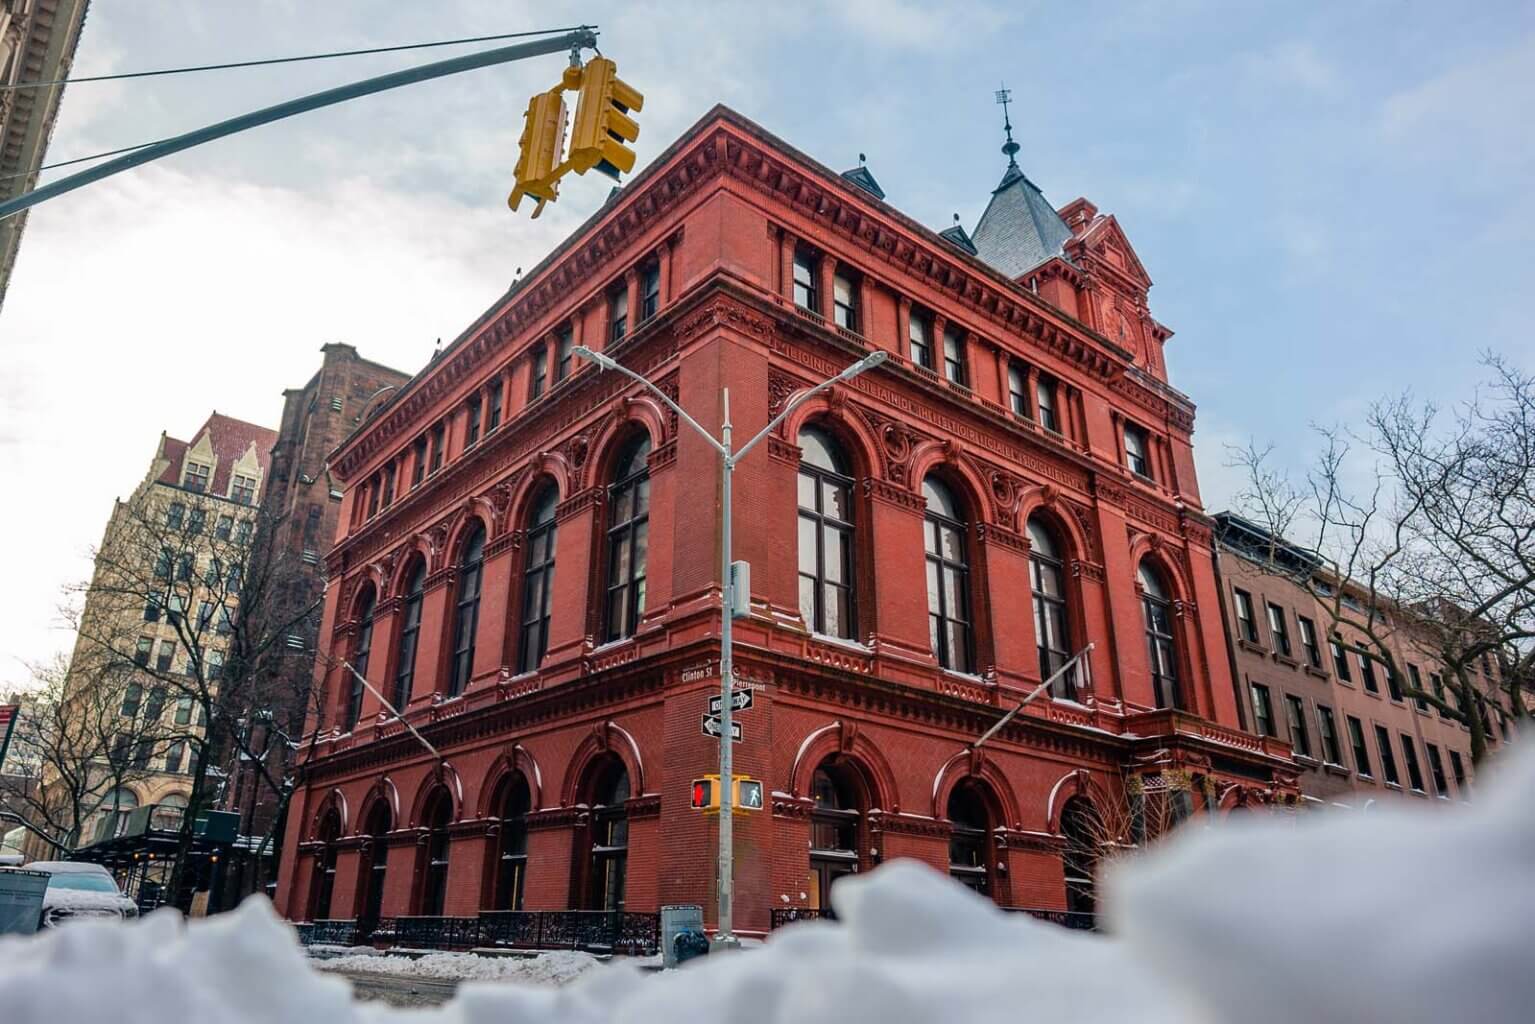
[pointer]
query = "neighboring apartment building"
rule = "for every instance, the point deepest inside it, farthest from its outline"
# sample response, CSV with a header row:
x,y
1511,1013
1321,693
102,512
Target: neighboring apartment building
x,y
528,565
303,503
1354,732
37,44
197,504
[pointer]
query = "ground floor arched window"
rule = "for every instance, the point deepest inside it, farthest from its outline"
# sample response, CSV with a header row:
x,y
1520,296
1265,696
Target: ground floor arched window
x,y
836,826
511,861
609,835
970,840
1081,827
323,885
434,874
374,866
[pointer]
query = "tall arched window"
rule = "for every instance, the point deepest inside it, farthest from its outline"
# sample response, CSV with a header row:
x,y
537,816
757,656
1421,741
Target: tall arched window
x,y
836,822
324,882
1160,653
466,611
970,838
537,580
609,835
825,536
434,876
1047,579
512,860
948,577
628,538
360,651
1081,827
374,867
410,632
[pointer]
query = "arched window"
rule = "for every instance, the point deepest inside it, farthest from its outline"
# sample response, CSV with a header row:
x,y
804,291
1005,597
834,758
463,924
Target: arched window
x,y
374,866
466,612
537,580
609,835
115,807
512,860
1160,653
970,840
1047,580
825,536
628,538
324,882
360,652
169,811
434,877
1081,827
836,823
410,632
948,577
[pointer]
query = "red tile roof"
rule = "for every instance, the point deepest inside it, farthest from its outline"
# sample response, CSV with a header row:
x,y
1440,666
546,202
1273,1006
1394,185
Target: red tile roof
x,y
229,439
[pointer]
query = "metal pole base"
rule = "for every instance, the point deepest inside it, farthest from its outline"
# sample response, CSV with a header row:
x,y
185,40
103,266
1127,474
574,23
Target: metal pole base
x,y
724,944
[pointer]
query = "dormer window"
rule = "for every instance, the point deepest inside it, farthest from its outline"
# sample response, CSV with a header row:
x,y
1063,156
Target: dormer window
x,y
243,490
196,477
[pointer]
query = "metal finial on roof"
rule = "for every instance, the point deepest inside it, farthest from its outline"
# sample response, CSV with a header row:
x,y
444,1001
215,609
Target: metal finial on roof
x,y
862,159
1009,148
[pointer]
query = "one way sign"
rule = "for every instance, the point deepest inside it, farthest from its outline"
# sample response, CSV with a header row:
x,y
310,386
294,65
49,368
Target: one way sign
x,y
711,727
740,700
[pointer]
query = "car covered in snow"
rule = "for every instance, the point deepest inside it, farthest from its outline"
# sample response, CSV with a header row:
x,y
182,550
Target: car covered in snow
x,y
80,892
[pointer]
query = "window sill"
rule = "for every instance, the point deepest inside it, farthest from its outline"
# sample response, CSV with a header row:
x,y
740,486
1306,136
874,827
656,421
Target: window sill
x,y
1372,693
827,638
1251,645
1285,659
1307,760
1394,785
1334,769
1312,670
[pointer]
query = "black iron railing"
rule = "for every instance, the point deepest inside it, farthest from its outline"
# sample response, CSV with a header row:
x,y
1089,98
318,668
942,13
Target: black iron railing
x,y
329,933
428,932
601,931
788,915
1078,920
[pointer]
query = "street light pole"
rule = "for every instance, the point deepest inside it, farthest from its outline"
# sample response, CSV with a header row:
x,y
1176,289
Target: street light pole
x,y
724,936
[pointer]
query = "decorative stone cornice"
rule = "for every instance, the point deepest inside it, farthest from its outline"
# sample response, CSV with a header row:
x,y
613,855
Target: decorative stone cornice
x,y
646,806
898,497
556,817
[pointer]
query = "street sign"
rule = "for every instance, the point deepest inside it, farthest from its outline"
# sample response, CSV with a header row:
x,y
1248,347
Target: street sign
x,y
711,727
740,700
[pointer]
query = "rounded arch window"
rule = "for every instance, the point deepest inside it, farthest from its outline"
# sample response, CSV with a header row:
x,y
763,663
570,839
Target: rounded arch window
x,y
515,800
172,807
375,864
825,529
434,880
1052,623
410,634
1161,650
362,649
1080,827
466,610
609,835
948,577
970,836
325,864
628,538
537,578
836,825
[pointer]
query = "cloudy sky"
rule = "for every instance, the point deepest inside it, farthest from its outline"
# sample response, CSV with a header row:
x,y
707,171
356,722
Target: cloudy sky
x,y
1333,199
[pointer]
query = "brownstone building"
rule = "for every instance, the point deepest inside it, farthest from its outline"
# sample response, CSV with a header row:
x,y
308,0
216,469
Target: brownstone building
x,y
528,565
1355,734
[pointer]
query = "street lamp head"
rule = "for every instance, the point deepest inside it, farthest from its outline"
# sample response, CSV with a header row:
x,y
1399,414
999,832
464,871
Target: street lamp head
x,y
604,362
868,362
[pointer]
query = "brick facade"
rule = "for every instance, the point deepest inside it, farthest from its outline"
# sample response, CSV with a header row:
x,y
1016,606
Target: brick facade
x,y
711,231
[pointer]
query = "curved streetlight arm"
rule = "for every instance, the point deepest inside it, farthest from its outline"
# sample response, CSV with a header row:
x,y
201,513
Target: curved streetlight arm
x,y
609,363
868,362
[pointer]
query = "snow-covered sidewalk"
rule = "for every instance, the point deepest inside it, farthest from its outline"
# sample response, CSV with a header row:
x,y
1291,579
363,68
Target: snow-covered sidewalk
x,y
552,968
1415,912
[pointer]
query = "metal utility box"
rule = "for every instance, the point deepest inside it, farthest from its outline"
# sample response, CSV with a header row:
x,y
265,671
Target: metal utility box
x,y
21,900
677,919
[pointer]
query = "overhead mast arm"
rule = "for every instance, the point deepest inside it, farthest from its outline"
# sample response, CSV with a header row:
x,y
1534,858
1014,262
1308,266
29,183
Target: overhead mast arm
x,y
574,42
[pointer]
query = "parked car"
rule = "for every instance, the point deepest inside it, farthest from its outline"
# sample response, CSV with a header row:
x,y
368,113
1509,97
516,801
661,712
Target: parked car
x,y
80,892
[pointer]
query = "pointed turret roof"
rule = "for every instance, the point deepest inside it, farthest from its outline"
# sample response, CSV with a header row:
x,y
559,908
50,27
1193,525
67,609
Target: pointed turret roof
x,y
1020,229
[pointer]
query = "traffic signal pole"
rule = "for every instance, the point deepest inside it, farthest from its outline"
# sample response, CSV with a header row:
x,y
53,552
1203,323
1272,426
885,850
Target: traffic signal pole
x,y
574,42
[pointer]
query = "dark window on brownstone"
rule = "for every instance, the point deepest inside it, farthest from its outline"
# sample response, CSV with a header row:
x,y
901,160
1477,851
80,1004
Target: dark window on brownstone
x,y
807,273
418,461
434,880
1052,627
466,610
628,539
1361,752
539,376
1044,401
610,837
493,405
1340,661
650,291
439,447
948,577
1387,756
845,301
1161,649
1458,770
565,353
361,650
1410,759
1367,672
472,428
1263,711
1279,629
1300,738
1137,451
618,313
1393,684
512,864
919,333
1018,389
537,580
1329,728
1308,641
825,525
970,837
1436,771
388,498
1247,626
954,356
1416,680
410,631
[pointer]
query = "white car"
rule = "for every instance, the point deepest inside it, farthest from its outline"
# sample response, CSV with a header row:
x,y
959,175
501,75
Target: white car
x,y
80,892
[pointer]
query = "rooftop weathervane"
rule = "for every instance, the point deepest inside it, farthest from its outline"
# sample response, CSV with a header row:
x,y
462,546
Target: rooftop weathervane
x,y
1009,148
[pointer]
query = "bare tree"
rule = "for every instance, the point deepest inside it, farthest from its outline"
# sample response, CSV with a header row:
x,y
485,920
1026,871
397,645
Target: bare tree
x,y
86,740
1423,525
218,588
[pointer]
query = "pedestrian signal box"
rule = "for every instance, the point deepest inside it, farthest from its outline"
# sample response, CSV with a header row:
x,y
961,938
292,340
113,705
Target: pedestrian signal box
x,y
707,792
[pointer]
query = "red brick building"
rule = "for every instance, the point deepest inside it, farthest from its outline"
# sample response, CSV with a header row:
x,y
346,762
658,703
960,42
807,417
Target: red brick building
x,y
528,563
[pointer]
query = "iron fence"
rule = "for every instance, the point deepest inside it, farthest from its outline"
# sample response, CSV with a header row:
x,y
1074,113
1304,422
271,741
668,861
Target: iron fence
x,y
600,931
1078,920
788,915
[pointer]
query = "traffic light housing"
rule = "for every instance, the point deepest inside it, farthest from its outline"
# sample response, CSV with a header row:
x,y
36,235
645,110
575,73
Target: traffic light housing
x,y
748,794
706,793
541,148
602,127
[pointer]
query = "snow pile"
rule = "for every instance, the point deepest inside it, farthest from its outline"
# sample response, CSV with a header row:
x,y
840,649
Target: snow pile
x,y
557,968
1407,914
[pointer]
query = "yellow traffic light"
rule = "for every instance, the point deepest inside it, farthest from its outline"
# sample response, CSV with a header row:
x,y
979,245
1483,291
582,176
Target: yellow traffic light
x,y
539,164
603,126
